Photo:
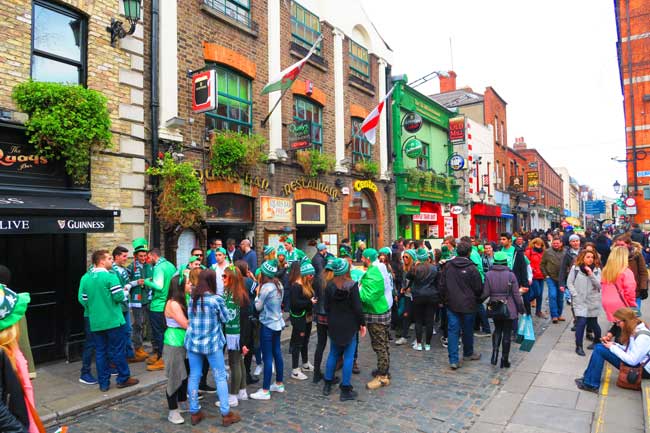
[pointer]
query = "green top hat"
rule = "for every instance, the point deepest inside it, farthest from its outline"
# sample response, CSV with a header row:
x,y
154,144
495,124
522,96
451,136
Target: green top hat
x,y
140,244
12,306
500,258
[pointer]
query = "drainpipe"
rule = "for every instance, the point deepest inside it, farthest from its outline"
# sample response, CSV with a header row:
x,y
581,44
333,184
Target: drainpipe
x,y
155,31
631,78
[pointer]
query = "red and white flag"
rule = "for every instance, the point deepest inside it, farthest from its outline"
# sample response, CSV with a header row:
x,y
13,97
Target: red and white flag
x,y
369,125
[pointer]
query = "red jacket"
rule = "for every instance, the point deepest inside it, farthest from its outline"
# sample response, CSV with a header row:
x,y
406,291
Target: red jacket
x,y
535,263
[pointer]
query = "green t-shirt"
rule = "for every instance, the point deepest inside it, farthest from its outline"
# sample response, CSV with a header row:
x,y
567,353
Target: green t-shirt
x,y
102,295
159,284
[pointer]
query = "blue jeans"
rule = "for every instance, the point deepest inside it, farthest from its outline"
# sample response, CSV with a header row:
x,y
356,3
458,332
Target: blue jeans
x,y
555,298
215,359
157,320
109,347
456,323
537,289
348,360
485,323
590,323
638,307
594,370
126,328
271,352
89,349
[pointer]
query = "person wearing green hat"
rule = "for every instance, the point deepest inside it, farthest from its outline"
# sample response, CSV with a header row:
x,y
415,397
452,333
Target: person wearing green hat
x,y
320,316
293,254
163,271
139,296
268,252
501,285
120,257
268,302
221,257
377,316
101,293
16,386
301,277
347,320
422,278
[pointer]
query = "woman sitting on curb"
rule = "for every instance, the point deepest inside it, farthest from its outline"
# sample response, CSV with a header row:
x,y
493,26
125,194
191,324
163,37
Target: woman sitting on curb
x,y
635,348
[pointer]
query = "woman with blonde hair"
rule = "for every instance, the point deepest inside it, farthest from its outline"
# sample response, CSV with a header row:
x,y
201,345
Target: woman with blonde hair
x,y
633,349
618,283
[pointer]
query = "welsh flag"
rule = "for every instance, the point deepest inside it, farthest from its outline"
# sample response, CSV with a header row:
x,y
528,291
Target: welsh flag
x,y
369,125
285,79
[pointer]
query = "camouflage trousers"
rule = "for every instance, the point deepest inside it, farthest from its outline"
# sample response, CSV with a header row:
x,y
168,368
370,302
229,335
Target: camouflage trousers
x,y
379,341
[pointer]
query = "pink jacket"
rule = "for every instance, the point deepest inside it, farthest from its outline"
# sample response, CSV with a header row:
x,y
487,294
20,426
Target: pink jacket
x,y
626,286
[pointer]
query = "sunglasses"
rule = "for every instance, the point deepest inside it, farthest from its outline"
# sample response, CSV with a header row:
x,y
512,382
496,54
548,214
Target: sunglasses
x,y
198,255
224,276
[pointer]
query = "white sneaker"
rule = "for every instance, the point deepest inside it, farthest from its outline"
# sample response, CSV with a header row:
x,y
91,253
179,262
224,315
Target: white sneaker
x,y
307,366
400,341
175,417
232,401
415,342
427,347
242,395
418,347
260,394
297,374
258,370
276,388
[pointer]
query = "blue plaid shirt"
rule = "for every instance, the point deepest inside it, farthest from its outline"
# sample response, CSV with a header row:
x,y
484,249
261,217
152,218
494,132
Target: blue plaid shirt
x,y
204,333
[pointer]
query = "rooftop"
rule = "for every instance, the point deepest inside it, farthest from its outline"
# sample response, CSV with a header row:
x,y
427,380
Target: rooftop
x,y
457,98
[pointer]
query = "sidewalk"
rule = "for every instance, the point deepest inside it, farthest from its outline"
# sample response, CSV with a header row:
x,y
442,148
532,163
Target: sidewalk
x,y
541,396
59,395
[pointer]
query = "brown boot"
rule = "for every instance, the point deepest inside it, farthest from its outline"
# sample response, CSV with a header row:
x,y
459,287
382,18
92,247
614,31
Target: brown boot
x,y
128,382
230,418
141,353
152,358
377,382
156,366
197,417
137,358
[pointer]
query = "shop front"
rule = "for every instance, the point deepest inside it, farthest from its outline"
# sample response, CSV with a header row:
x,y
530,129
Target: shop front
x,y
44,219
485,221
364,215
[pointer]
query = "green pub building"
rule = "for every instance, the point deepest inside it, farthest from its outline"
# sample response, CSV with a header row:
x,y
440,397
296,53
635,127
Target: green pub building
x,y
426,190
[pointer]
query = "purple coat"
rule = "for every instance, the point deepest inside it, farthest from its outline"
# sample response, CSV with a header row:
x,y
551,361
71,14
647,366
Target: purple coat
x,y
496,285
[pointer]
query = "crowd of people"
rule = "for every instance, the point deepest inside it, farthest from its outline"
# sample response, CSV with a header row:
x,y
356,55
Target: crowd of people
x,y
220,311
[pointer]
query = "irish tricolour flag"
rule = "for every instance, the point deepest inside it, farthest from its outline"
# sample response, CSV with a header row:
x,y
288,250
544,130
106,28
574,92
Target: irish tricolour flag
x,y
369,125
285,79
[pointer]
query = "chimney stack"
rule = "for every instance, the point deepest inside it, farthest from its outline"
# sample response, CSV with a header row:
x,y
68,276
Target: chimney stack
x,y
448,84
520,144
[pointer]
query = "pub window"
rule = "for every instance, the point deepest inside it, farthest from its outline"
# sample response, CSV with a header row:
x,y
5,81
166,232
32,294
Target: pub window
x,y
234,111
359,64
305,27
361,147
423,159
304,109
58,44
238,10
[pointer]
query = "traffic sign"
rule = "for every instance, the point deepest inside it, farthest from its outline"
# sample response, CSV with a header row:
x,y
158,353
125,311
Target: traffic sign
x,y
630,202
594,207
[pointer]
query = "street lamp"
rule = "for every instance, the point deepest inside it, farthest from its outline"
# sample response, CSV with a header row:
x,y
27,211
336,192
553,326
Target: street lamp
x,y
617,187
482,194
132,14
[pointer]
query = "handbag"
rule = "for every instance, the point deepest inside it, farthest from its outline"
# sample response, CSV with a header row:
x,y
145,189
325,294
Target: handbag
x,y
630,377
499,309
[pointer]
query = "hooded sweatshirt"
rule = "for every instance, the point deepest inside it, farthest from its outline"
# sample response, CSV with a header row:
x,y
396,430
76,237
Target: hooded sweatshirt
x,y
460,286
343,306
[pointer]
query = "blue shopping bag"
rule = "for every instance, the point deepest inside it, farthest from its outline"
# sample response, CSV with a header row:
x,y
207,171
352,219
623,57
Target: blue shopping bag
x,y
527,331
520,329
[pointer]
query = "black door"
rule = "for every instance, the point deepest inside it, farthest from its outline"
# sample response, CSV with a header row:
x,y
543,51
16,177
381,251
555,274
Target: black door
x,y
49,268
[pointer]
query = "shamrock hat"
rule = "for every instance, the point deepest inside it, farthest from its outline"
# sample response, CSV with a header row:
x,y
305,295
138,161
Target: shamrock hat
x,y
344,252
500,258
193,259
140,244
12,306
270,268
412,254
370,254
385,250
306,268
281,251
268,249
446,255
340,267
221,250
289,241
422,255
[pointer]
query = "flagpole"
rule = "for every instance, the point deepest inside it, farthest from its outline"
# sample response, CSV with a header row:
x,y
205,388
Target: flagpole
x,y
266,119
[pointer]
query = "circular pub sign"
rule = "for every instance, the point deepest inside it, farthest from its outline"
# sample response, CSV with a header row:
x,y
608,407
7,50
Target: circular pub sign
x,y
456,210
412,122
413,148
456,162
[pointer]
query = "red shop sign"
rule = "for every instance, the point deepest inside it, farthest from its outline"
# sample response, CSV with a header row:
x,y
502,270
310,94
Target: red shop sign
x,y
204,91
425,217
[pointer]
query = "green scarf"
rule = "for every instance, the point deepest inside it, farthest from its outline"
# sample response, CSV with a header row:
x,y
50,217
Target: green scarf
x,y
232,327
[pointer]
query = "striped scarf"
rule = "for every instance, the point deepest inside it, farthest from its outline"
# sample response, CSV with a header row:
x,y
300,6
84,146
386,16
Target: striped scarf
x,y
232,327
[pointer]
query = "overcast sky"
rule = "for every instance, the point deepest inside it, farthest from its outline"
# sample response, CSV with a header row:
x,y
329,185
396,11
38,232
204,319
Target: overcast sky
x,y
554,63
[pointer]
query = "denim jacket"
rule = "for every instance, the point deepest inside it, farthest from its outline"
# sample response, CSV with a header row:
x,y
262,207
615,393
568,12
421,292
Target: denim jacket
x,y
269,304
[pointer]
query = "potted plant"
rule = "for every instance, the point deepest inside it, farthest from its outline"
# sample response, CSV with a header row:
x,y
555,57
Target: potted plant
x,y
231,152
65,122
415,176
313,162
180,201
367,168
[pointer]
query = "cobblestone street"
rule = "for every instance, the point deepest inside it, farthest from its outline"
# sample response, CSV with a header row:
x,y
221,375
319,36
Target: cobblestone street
x,y
424,396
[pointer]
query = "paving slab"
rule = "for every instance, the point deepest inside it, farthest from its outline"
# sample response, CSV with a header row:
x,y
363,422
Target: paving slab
x,y
501,407
555,380
486,427
552,397
587,401
520,428
519,382
553,418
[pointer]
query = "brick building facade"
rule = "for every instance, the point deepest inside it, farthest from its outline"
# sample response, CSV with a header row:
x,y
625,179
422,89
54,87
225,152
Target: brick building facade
x,y
67,41
250,46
